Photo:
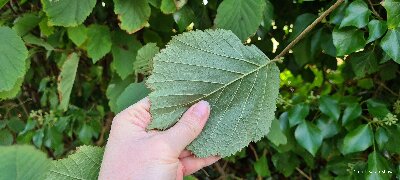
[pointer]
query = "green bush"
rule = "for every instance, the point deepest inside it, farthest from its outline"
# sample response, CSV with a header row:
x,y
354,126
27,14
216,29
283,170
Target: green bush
x,y
68,66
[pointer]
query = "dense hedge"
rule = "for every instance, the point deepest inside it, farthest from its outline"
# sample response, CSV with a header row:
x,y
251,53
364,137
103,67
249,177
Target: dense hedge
x,y
67,66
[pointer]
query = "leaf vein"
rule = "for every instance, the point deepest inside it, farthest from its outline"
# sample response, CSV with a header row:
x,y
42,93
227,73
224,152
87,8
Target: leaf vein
x,y
216,54
197,65
216,90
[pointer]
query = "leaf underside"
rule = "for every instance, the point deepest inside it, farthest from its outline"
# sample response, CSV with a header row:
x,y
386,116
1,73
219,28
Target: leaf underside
x,y
240,83
84,164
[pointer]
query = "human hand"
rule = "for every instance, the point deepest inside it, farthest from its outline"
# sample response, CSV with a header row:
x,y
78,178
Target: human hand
x,y
133,153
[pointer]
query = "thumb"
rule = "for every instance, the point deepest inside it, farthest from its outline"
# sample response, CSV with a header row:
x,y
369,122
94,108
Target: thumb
x,y
189,126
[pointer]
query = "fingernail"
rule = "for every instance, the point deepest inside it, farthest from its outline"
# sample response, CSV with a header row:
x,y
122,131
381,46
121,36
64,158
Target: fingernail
x,y
201,108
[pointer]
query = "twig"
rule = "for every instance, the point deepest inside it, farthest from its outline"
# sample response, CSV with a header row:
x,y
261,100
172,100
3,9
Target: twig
x,y
303,174
373,10
23,107
106,128
254,151
225,164
308,29
205,172
12,9
220,170
387,88
255,155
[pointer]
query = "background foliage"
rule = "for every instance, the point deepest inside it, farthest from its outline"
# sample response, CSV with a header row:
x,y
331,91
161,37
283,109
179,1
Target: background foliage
x,y
66,67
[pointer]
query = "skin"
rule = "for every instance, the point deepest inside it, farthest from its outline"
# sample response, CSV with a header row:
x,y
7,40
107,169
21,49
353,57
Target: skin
x,y
133,153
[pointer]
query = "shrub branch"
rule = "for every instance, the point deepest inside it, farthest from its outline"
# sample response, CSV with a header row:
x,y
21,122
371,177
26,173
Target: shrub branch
x,y
308,29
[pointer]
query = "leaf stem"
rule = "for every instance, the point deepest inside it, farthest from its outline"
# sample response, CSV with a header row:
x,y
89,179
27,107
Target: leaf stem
x,y
374,11
308,29
303,173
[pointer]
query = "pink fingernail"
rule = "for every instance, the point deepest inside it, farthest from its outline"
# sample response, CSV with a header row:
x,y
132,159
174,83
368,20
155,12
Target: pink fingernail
x,y
201,108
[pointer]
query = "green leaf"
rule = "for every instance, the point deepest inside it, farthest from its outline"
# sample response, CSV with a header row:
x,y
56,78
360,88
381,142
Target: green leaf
x,y
234,15
33,40
268,15
261,167
22,162
298,114
285,163
357,14
381,137
12,59
239,82
3,2
124,50
308,158
337,15
67,13
327,44
168,6
26,23
358,139
78,34
180,3
301,23
329,107
30,124
328,127
162,23
191,177
144,58
84,164
376,29
12,92
155,3
275,134
377,108
351,113
66,80
377,164
134,15
302,52
394,145
99,41
132,94
85,134
16,125
348,40
363,63
316,41
53,139
37,139
114,90
184,17
391,44
6,138
366,83
309,137
203,20
388,71
3,123
150,36
45,29
393,16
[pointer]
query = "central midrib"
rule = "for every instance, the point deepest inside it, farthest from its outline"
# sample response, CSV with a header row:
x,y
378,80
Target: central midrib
x,y
222,87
